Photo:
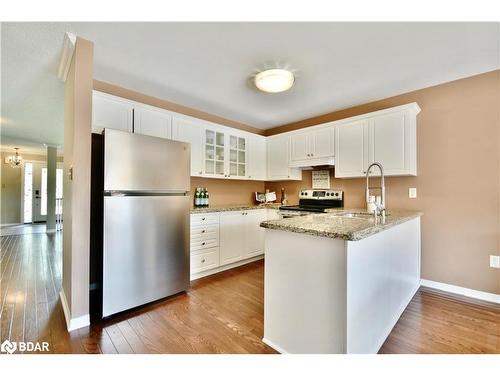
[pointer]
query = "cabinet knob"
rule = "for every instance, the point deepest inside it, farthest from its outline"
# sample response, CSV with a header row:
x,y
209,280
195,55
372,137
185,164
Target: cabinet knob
x,y
202,218
203,261
199,172
203,231
288,176
203,243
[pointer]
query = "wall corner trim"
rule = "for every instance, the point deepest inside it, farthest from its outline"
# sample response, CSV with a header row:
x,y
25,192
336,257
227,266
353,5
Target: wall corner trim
x,y
278,348
67,52
472,293
75,323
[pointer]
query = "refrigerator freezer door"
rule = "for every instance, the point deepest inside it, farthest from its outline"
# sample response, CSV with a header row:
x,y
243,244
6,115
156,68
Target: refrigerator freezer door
x,y
136,162
146,250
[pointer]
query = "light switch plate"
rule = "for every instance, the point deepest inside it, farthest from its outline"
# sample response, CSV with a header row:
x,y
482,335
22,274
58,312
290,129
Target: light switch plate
x,y
495,261
412,192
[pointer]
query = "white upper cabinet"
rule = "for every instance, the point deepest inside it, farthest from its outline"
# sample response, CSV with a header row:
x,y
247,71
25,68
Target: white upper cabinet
x,y
237,160
388,137
322,145
152,121
188,129
278,159
393,143
214,153
111,112
351,141
257,158
225,154
300,146
313,147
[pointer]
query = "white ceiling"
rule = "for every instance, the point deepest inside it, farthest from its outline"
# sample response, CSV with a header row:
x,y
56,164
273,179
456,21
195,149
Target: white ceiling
x,y
207,66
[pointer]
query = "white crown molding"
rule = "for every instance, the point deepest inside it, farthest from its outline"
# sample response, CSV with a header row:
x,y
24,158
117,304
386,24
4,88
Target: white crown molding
x,y
66,56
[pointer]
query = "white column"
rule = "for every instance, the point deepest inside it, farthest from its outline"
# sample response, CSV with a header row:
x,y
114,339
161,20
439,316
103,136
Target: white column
x,y
51,188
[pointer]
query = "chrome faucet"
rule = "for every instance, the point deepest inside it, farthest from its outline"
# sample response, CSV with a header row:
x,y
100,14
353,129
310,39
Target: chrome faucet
x,y
379,207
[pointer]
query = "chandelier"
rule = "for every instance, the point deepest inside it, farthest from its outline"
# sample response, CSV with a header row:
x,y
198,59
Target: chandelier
x,y
15,161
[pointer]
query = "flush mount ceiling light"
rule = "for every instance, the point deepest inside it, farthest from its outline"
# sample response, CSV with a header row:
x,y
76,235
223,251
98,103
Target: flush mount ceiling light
x,y
274,80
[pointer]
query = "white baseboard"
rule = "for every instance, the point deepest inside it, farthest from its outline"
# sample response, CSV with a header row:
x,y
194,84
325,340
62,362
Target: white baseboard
x,y
274,346
472,293
199,275
9,224
73,323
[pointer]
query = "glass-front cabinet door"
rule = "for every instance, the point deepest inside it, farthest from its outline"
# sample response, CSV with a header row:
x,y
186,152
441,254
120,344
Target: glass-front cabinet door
x,y
237,156
214,153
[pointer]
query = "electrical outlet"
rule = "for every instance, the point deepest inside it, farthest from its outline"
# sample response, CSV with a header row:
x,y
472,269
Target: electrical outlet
x,y
495,261
412,192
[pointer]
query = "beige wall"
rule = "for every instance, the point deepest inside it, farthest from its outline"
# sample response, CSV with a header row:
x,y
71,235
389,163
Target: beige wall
x,y
11,189
458,182
77,154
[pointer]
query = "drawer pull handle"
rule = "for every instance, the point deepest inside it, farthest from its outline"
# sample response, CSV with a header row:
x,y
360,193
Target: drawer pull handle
x,y
203,260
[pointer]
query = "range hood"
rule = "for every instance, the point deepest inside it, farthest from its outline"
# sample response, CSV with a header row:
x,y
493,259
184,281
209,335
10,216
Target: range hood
x,y
307,163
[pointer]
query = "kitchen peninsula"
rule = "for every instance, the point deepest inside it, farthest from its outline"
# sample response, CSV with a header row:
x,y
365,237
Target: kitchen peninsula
x,y
338,282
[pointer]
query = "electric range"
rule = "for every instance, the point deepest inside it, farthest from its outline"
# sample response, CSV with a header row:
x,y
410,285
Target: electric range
x,y
314,201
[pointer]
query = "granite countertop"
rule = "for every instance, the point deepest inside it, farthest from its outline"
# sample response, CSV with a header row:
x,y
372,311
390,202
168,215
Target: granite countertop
x,y
332,225
241,207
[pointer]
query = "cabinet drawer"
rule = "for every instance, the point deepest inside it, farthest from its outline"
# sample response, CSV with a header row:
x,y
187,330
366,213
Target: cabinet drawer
x,y
201,219
204,232
204,244
203,261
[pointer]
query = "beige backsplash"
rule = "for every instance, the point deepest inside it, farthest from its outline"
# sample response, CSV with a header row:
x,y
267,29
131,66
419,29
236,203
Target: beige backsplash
x,y
227,192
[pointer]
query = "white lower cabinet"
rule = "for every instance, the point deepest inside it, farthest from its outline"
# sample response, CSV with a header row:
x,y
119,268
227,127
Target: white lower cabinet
x,y
204,239
226,239
232,233
254,235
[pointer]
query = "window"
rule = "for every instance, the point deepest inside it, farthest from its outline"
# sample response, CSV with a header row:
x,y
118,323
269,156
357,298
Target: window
x,y
28,193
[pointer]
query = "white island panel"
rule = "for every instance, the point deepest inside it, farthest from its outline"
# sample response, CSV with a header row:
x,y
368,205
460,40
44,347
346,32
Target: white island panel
x,y
325,295
383,274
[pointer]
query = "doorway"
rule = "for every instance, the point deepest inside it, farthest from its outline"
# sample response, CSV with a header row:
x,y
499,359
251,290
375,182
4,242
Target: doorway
x,y
35,191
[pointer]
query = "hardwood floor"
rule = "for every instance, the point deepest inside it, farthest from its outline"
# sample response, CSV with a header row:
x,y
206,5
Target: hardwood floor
x,y
437,323
222,313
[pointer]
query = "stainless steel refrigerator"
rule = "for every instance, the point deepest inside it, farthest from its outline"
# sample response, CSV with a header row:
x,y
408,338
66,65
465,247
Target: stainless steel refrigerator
x,y
145,252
